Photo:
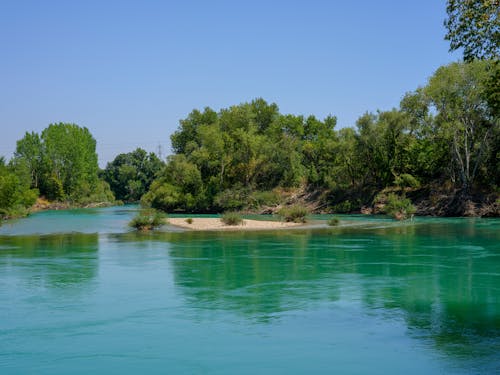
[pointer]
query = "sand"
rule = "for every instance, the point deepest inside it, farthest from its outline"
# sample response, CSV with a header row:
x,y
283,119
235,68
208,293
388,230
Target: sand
x,y
217,224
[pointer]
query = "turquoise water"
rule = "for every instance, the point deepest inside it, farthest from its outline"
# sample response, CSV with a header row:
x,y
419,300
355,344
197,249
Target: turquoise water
x,y
80,293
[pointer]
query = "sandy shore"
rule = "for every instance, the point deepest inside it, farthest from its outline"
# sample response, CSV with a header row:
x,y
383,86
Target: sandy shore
x,y
217,224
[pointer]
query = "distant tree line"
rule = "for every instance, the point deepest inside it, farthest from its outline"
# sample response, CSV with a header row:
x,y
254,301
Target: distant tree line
x,y
59,164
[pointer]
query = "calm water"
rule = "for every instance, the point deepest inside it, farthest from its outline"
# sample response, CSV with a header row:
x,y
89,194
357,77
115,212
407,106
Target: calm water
x,y
81,294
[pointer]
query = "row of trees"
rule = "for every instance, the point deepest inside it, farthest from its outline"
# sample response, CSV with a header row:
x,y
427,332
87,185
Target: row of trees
x,y
59,164
445,133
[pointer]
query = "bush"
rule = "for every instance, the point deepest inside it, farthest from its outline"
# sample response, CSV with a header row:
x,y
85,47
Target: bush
x,y
346,206
232,218
147,219
406,180
232,199
295,213
264,198
333,222
399,208
189,220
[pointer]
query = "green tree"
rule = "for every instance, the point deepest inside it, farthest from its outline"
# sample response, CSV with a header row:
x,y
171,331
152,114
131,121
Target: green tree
x,y
130,175
463,119
29,151
474,25
15,194
62,163
178,187
69,155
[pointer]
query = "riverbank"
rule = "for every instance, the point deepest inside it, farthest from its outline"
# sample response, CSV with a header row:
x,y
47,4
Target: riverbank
x,y
43,204
208,224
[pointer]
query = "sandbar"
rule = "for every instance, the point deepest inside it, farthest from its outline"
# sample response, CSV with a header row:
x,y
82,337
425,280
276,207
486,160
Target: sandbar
x,y
214,223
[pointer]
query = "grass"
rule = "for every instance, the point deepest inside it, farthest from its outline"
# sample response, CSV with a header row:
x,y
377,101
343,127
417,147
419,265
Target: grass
x,y
333,222
400,208
295,213
147,220
232,218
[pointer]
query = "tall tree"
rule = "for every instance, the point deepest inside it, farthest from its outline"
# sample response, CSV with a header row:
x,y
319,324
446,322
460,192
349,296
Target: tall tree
x,y
69,155
463,118
29,150
130,175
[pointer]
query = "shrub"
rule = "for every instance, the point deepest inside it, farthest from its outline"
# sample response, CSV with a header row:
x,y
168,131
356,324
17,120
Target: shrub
x,y
231,218
406,180
346,206
147,219
333,222
398,207
189,220
232,199
295,213
264,198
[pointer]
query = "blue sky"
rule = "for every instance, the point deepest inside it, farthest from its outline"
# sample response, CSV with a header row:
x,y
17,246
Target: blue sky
x,y
130,70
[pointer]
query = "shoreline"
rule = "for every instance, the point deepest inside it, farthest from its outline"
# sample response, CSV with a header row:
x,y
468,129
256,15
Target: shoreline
x,y
214,224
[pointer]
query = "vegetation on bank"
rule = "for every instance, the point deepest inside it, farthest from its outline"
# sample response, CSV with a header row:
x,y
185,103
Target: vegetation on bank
x,y
232,218
59,164
444,135
437,153
147,219
294,214
130,175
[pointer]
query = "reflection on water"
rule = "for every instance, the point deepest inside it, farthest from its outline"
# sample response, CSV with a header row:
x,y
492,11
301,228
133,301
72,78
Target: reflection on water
x,y
58,260
446,285
374,297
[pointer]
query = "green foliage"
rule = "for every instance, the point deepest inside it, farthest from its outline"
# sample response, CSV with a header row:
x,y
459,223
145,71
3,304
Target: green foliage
x,y
263,198
398,207
15,194
406,180
333,222
463,119
474,25
232,199
345,207
234,159
295,213
232,218
164,196
130,175
147,220
61,163
189,220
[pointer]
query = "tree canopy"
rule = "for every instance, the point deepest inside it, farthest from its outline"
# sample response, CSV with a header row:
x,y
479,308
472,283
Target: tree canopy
x,y
130,175
62,163
443,134
474,25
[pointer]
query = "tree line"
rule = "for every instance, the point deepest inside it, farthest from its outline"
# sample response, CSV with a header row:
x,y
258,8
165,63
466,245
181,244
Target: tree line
x,y
442,141
443,134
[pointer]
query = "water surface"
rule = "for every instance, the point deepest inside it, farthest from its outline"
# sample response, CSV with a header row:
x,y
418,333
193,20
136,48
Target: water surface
x,y
81,293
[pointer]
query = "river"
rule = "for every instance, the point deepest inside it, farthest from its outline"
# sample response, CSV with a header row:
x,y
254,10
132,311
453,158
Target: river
x,y
81,293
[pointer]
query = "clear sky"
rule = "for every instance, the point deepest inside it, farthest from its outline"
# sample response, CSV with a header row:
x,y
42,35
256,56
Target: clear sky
x,y
130,70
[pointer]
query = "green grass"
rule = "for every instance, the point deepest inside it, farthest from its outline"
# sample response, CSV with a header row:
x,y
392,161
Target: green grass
x,y
400,208
147,219
333,222
295,213
231,218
